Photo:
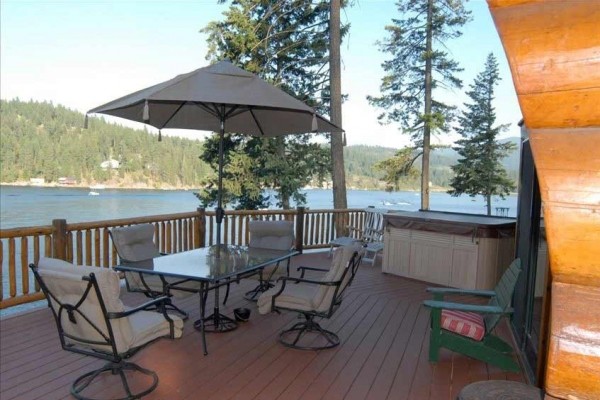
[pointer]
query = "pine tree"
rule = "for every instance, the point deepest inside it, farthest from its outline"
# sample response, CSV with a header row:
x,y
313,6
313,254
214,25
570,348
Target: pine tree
x,y
284,42
420,65
479,171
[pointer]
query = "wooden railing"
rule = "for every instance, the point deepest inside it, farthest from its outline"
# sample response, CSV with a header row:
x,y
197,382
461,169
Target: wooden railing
x,y
89,243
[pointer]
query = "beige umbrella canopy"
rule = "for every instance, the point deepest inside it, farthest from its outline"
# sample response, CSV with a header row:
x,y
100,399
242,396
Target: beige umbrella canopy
x,y
219,98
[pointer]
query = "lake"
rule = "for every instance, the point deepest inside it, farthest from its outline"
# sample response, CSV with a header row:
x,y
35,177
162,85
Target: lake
x,y
31,206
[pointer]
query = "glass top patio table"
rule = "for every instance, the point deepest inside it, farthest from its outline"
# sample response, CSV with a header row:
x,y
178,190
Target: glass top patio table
x,y
213,267
207,264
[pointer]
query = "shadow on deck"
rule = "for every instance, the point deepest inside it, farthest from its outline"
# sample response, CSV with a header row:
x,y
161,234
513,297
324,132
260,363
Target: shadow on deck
x,y
383,354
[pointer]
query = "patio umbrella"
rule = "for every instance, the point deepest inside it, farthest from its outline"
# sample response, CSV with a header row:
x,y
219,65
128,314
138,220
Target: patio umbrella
x,y
217,98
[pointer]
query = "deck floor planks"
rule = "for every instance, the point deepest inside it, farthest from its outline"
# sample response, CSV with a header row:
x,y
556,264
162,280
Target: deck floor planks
x,y
406,372
343,354
302,358
384,352
385,377
362,383
347,375
319,364
420,387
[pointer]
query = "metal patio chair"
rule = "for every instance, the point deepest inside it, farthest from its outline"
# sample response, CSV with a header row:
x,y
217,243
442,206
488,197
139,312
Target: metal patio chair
x,y
313,298
134,244
370,234
272,235
92,320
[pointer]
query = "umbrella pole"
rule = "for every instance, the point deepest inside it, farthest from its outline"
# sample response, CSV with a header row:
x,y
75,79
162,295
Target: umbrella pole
x,y
220,213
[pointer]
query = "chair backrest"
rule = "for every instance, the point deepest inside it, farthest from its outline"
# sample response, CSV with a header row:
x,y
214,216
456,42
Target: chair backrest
x,y
344,265
272,235
504,293
373,226
80,298
134,243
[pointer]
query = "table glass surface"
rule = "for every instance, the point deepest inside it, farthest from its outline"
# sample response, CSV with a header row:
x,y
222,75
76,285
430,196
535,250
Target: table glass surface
x,y
208,264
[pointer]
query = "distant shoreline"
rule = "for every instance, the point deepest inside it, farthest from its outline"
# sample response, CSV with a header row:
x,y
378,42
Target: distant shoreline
x,y
91,186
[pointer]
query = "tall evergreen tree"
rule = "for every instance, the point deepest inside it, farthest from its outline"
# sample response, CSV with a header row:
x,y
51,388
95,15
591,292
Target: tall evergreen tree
x,y
420,65
338,176
286,43
479,171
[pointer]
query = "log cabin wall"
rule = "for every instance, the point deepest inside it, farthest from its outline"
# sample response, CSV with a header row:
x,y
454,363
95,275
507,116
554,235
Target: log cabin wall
x,y
553,48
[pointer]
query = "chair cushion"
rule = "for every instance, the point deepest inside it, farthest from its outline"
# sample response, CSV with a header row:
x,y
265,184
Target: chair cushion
x,y
135,243
149,325
464,323
274,235
64,280
339,264
296,297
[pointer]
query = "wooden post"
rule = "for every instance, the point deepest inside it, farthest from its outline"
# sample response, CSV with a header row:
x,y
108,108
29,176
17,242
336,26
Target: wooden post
x,y
59,239
200,236
300,229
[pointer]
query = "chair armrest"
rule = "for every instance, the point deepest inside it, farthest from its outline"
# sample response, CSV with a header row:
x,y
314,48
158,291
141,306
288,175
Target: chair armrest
x,y
310,281
442,291
141,307
304,269
312,269
480,309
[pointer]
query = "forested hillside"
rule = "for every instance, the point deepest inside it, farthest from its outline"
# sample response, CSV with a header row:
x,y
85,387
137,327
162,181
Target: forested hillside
x,y
43,140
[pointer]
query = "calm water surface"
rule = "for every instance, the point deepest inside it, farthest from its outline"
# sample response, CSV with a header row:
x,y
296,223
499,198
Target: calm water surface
x,y
31,206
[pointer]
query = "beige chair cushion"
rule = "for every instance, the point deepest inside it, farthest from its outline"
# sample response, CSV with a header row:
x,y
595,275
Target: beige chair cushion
x,y
339,263
311,297
64,280
135,243
272,235
296,297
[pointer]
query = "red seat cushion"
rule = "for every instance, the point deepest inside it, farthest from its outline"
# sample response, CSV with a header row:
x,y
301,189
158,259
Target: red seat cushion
x,y
464,323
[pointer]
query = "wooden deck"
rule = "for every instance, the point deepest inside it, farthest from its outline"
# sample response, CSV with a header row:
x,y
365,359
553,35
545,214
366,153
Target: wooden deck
x,y
383,355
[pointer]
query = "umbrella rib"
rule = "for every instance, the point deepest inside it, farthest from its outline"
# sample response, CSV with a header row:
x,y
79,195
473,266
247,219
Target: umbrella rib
x,y
256,121
174,114
209,110
230,111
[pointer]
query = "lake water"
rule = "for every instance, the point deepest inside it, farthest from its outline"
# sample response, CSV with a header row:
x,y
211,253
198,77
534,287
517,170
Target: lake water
x,y
31,206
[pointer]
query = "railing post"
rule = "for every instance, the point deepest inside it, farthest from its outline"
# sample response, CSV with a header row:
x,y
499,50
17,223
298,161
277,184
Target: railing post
x,y
200,236
59,239
300,229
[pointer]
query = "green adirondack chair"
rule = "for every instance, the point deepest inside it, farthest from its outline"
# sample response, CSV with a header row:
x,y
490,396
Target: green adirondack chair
x,y
474,339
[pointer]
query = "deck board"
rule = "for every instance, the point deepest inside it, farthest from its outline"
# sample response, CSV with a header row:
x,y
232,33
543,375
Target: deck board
x,y
383,327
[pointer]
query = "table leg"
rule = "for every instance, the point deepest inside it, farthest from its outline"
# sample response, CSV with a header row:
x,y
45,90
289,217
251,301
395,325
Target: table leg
x,y
217,322
199,324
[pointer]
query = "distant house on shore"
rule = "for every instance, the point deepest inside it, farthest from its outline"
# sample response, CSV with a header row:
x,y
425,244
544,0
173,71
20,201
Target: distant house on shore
x,y
110,164
67,180
37,181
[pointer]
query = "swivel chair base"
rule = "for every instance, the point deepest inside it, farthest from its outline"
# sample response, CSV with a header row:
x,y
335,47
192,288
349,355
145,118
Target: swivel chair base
x,y
308,335
86,380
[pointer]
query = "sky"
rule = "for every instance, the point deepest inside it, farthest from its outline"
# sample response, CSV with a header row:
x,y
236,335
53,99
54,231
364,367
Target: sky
x,y
84,53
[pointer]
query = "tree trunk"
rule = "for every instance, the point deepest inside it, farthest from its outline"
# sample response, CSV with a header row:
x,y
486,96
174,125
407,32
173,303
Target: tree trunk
x,y
427,113
488,199
338,175
285,198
